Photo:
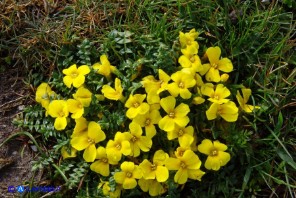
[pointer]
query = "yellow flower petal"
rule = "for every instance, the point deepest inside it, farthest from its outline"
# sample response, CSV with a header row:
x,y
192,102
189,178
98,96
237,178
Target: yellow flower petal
x,y
168,103
83,69
225,65
181,176
162,173
213,54
129,183
60,123
95,132
213,75
205,147
89,154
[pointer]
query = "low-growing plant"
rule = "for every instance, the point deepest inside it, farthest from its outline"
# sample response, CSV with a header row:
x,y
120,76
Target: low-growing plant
x,y
150,122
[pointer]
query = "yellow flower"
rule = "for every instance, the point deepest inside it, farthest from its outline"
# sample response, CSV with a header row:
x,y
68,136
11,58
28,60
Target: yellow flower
x,y
174,115
224,77
44,95
227,111
58,109
182,81
120,145
86,141
187,166
75,107
101,165
104,68
216,64
216,96
66,154
184,135
243,100
75,76
113,94
155,170
136,105
148,120
83,95
152,186
154,87
130,172
187,38
181,150
190,64
107,190
216,155
137,141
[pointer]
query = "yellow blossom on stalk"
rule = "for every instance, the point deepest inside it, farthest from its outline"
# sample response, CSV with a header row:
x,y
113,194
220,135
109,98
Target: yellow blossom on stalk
x,y
75,76
120,145
187,166
188,38
184,135
227,111
44,95
104,68
216,155
154,87
198,99
242,101
182,81
156,170
174,115
58,109
190,61
113,94
152,186
148,121
101,165
212,69
216,95
66,154
83,95
75,107
136,105
107,190
130,172
86,141
137,141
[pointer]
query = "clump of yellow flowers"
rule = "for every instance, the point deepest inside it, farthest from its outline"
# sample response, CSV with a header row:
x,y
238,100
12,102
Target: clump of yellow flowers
x,y
159,111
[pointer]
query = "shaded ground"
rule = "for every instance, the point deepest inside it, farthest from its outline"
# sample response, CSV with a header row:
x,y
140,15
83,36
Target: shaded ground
x,y
16,155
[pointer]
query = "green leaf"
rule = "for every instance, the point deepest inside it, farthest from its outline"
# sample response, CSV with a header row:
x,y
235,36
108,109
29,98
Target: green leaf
x,y
285,157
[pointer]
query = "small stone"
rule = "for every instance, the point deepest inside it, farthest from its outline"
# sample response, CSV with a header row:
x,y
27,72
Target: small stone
x,y
34,148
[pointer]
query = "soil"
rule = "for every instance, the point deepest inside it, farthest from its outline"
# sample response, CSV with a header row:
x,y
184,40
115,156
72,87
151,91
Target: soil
x,y
16,155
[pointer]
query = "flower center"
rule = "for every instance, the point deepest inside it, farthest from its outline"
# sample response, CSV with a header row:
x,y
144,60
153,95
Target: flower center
x,y
183,165
61,114
90,141
118,146
136,104
215,65
153,167
134,139
147,122
180,133
80,106
74,75
181,85
105,160
129,174
172,114
192,59
216,97
214,152
188,42
45,96
181,153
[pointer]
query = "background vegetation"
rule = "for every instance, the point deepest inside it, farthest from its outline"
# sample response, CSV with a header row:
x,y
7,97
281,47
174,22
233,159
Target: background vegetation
x,y
43,37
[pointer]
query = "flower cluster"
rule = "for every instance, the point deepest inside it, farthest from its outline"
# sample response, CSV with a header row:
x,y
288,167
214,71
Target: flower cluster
x,y
161,110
